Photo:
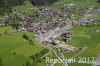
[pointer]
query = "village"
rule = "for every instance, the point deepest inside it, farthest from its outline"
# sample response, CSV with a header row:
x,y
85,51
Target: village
x,y
48,24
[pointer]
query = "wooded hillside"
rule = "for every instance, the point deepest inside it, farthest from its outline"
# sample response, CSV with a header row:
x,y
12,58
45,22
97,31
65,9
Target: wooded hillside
x,y
6,5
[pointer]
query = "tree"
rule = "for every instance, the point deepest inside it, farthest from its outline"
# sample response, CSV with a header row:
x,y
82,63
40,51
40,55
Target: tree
x,y
28,63
14,22
43,2
0,60
6,5
98,1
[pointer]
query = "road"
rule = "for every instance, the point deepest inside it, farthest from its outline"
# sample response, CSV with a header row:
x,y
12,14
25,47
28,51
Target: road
x,y
52,33
58,31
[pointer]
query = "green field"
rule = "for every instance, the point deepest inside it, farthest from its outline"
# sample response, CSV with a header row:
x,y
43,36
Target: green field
x,y
77,3
27,8
15,50
85,35
11,43
97,17
4,29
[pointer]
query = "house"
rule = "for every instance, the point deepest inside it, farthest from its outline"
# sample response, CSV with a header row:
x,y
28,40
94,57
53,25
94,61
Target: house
x,y
98,10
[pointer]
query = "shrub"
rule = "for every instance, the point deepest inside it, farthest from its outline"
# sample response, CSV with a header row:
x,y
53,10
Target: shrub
x,y
27,37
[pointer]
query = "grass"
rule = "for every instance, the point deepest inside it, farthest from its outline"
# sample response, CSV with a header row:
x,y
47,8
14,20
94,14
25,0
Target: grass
x,y
26,8
10,43
3,29
77,3
57,5
97,17
15,60
27,50
42,63
83,35
77,15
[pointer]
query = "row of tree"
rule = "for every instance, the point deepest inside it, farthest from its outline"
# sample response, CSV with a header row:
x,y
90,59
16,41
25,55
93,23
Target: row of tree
x,y
37,57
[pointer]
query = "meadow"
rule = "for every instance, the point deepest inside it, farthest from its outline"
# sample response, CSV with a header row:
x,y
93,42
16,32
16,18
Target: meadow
x,y
14,49
89,36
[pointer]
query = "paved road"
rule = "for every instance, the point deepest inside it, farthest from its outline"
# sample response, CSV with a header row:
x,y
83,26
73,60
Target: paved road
x,y
52,33
58,31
